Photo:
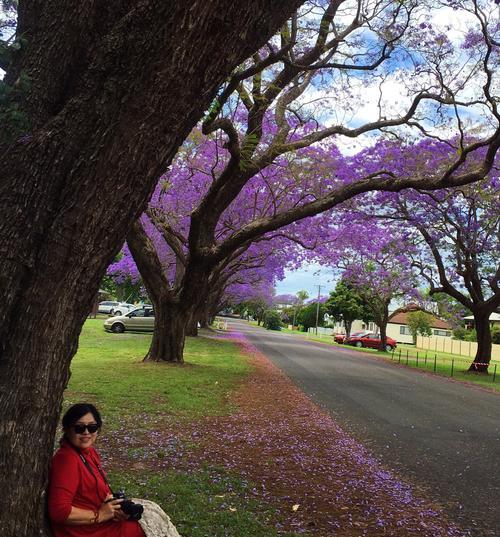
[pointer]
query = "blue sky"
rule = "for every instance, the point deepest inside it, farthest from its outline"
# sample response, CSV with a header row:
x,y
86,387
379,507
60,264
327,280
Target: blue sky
x,y
308,278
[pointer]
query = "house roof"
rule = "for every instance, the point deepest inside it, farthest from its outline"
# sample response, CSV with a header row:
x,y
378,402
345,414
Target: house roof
x,y
493,317
401,317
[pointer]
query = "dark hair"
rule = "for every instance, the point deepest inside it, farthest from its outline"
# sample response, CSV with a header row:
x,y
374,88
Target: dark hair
x,y
75,412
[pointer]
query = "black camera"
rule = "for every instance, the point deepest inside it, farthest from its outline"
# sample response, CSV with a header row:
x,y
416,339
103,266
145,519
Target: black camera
x,y
130,508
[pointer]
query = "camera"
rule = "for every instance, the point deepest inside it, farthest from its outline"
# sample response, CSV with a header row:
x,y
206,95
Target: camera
x,y
130,508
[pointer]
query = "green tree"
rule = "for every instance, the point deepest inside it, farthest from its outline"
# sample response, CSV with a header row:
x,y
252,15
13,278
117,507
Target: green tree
x,y
419,322
301,295
347,305
272,320
257,307
307,316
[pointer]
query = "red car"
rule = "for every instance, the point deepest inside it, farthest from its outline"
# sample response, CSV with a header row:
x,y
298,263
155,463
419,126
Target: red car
x,y
372,341
340,338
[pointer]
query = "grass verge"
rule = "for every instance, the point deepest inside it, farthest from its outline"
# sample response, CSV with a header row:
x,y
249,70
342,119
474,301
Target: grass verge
x,y
108,371
208,502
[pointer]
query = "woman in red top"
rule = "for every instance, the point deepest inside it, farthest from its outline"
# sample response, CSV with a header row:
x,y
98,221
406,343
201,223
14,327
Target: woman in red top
x,y
79,494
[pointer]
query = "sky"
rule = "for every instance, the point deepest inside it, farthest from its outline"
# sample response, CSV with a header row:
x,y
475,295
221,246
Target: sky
x,y
308,278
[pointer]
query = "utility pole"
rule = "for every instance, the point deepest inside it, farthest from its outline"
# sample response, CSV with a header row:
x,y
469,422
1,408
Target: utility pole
x,y
317,308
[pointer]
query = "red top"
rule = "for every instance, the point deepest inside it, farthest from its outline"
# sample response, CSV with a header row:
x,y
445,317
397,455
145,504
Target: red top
x,y
72,484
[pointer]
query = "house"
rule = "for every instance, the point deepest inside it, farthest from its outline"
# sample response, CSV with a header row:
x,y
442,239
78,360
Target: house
x,y
494,320
357,326
398,329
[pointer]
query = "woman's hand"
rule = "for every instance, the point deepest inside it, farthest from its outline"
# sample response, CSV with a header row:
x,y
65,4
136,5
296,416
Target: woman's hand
x,y
110,510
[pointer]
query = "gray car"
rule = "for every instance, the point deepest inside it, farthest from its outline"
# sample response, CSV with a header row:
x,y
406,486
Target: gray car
x,y
138,320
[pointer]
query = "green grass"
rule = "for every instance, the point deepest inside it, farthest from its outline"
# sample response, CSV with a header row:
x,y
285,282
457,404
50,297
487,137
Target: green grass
x,y
207,502
108,369
447,365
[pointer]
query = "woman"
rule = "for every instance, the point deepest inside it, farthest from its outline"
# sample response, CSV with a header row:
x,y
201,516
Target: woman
x,y
80,499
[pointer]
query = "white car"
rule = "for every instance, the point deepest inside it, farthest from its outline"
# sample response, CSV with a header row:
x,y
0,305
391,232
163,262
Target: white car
x,y
108,306
122,308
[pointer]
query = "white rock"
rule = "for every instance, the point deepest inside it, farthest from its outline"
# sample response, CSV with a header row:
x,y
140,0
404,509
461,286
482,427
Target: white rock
x,y
155,522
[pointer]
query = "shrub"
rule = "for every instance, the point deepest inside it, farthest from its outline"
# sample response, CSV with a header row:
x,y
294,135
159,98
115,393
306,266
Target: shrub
x,y
464,334
272,320
495,335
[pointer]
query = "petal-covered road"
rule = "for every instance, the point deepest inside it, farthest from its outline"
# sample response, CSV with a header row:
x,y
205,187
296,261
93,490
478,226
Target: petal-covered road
x,y
441,435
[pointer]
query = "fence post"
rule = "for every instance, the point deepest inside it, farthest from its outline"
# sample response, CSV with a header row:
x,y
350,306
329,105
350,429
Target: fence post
x,y
452,364
417,358
406,356
425,360
392,355
399,359
494,373
435,358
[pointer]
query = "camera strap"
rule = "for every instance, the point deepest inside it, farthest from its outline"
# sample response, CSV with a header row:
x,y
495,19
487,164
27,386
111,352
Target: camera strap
x,y
89,469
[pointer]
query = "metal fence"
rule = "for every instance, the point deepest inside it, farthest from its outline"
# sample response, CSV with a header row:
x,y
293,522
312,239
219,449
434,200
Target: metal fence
x,y
431,361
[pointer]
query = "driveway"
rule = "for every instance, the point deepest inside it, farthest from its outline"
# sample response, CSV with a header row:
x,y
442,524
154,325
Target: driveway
x,y
442,435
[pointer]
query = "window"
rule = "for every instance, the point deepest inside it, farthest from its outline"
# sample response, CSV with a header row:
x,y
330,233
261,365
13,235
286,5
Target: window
x,y
444,333
403,329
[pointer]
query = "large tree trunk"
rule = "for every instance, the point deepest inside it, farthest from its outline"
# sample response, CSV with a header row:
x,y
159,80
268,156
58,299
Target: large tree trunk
x,y
348,326
171,326
382,324
383,336
205,319
192,326
113,93
483,354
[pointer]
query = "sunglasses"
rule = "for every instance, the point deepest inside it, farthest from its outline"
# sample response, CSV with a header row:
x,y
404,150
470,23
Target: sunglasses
x,y
81,428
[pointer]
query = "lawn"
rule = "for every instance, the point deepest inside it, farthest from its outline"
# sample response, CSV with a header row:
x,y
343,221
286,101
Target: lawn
x,y
108,368
136,398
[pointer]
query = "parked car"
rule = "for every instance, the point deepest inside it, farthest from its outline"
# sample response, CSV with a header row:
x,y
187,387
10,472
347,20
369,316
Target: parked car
x,y
340,338
122,308
372,341
140,320
108,306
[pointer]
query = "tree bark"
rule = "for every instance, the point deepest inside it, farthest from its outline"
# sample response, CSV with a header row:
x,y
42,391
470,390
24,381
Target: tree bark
x,y
171,325
108,105
192,326
483,354
348,326
382,324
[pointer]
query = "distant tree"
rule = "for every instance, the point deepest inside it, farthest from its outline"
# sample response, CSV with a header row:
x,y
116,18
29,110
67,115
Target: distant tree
x,y
419,322
346,304
272,320
302,296
449,309
257,307
307,315
379,269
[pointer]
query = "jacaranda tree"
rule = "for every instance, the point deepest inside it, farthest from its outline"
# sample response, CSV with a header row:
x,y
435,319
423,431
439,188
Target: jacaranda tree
x,y
266,159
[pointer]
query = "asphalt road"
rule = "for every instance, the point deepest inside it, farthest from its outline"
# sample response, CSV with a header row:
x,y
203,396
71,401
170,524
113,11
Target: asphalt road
x,y
441,435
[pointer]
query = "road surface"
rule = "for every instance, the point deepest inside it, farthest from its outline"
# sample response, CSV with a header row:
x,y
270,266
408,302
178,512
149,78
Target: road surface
x,y
442,435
